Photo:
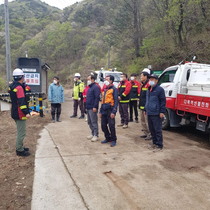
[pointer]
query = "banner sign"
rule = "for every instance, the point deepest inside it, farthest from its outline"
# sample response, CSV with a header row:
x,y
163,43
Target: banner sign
x,y
32,78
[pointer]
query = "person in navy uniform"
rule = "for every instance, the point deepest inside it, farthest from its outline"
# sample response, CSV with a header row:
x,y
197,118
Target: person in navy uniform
x,y
155,109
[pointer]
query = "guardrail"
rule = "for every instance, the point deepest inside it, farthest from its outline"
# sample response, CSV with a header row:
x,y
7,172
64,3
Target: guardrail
x,y
34,96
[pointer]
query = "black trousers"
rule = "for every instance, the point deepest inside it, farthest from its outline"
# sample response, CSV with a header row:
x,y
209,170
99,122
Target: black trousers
x,y
55,110
85,110
155,127
79,104
108,127
133,106
123,109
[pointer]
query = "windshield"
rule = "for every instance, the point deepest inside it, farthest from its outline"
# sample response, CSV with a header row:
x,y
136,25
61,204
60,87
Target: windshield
x,y
168,76
116,76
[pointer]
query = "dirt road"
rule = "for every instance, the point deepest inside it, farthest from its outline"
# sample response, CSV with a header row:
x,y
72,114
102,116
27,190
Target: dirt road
x,y
74,173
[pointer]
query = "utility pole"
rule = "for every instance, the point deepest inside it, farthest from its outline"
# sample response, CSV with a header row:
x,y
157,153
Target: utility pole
x,y
7,39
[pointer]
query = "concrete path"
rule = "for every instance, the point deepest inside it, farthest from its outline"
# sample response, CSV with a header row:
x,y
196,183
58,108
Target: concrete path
x,y
72,173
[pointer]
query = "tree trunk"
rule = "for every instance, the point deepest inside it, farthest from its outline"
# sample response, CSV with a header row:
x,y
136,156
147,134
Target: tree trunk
x,y
181,21
136,28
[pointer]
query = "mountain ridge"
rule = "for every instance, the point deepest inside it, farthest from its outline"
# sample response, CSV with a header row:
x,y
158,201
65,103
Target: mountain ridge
x,y
83,36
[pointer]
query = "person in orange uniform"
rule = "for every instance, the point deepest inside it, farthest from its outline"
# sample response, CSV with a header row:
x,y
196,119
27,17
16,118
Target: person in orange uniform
x,y
124,90
134,97
108,111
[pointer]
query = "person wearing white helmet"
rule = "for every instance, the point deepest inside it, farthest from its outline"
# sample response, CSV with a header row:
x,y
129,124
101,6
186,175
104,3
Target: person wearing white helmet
x,y
78,96
146,70
20,110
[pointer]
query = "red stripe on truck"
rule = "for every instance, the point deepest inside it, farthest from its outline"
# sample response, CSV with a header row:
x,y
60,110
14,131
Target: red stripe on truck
x,y
170,103
194,104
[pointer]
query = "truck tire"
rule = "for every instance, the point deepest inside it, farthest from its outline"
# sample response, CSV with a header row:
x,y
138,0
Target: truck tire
x,y
166,121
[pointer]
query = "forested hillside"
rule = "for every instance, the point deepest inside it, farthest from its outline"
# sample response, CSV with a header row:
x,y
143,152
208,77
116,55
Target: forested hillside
x,y
134,33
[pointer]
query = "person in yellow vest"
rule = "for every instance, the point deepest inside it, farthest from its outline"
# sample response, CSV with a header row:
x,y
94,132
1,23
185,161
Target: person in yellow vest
x,y
78,96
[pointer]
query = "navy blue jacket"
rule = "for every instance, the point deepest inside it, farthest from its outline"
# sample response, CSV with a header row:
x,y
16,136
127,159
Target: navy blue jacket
x,y
155,101
93,96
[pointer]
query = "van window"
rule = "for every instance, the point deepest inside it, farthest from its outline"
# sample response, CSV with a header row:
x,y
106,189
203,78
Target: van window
x,y
101,77
116,76
167,77
188,74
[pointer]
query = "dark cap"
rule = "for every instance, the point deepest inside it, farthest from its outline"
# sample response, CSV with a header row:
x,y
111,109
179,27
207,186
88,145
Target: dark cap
x,y
153,76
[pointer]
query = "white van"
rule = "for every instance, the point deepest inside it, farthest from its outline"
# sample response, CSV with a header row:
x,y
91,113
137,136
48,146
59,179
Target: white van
x,y
101,75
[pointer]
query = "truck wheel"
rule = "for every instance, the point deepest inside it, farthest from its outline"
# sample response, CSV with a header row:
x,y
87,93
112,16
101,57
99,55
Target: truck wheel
x,y
166,121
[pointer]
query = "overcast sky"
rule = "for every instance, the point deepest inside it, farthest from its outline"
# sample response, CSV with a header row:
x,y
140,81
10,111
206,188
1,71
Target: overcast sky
x,y
57,3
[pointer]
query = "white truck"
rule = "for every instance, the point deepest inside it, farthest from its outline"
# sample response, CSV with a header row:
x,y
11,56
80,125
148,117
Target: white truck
x,y
101,75
187,90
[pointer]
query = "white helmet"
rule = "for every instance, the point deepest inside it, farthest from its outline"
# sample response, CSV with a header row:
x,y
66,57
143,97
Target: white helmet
x,y
146,70
77,75
17,72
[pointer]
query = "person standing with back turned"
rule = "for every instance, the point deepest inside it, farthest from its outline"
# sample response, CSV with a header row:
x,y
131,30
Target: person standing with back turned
x,y
20,110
